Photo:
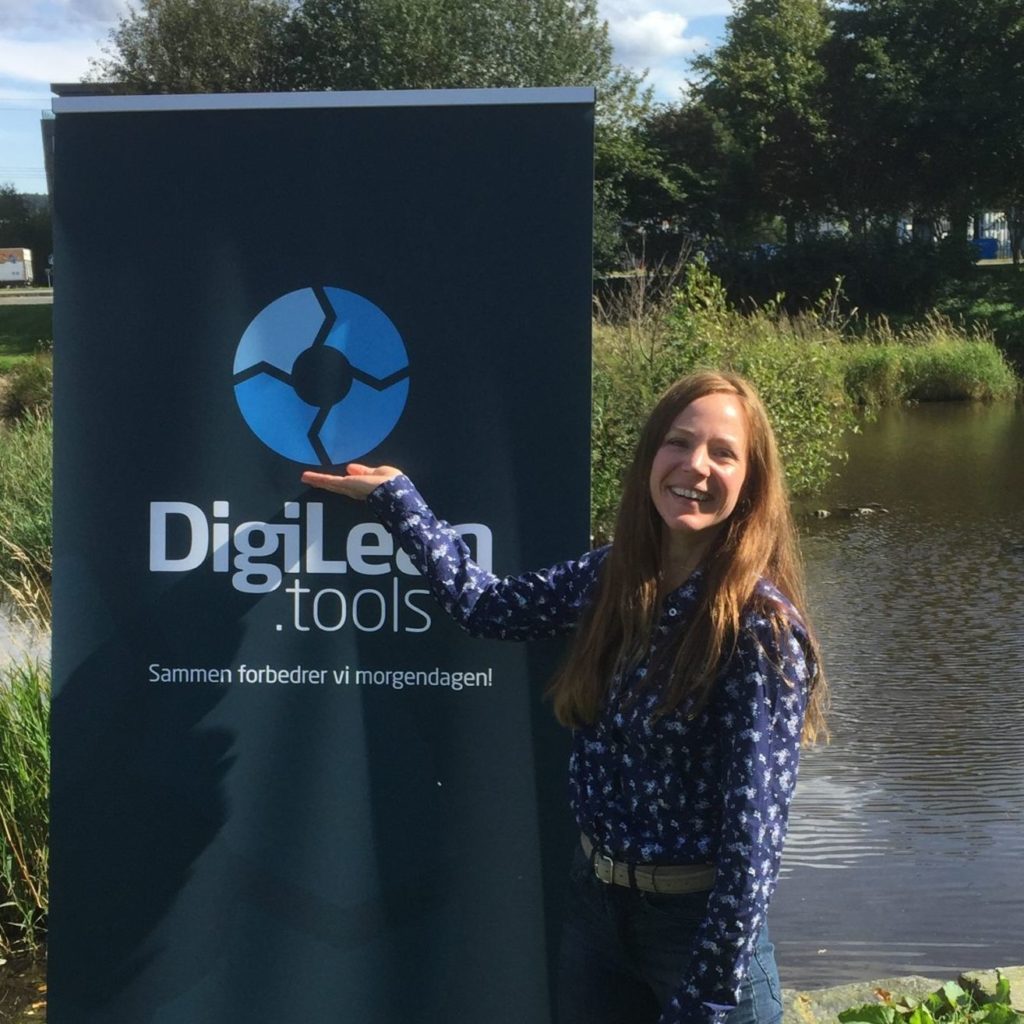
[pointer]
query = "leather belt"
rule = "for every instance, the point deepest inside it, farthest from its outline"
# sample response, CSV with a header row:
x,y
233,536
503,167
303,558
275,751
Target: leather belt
x,y
663,878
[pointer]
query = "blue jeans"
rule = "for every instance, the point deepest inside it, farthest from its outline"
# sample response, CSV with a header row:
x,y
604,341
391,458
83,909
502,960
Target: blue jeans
x,y
624,953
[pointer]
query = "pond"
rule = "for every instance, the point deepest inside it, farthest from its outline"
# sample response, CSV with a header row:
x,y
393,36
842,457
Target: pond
x,y
907,832
20,639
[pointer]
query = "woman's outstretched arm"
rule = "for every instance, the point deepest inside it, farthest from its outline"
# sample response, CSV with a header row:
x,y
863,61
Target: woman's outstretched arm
x,y
533,605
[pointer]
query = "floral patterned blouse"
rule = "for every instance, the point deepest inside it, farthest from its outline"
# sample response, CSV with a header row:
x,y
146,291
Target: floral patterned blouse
x,y
669,789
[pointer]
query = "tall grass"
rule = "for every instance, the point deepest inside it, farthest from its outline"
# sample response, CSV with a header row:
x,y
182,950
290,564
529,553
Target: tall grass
x,y
933,360
24,329
27,388
24,811
26,515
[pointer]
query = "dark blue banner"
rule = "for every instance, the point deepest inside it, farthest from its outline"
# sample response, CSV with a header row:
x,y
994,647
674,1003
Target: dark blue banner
x,y
285,787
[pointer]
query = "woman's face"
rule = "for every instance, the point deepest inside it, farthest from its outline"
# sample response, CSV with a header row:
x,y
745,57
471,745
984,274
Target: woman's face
x,y
698,471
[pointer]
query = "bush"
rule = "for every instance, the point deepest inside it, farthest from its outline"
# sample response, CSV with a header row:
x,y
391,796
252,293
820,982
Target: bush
x,y
879,275
958,370
24,807
873,374
930,361
27,389
24,328
26,515
948,1005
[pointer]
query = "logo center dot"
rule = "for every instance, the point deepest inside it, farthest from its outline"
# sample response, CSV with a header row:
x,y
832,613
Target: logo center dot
x,y
322,376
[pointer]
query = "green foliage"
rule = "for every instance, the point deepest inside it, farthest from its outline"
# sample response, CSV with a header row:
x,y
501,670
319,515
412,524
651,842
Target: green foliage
x,y
952,370
25,224
855,115
947,1005
764,86
14,208
27,389
879,275
992,297
196,46
24,330
440,44
933,360
26,516
24,809
873,375
916,85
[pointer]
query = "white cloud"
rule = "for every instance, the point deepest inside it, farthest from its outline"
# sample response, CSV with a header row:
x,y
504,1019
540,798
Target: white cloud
x,y
613,10
669,82
29,61
653,35
96,12
56,19
20,93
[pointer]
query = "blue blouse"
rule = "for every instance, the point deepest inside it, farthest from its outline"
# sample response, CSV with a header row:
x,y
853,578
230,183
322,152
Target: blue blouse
x,y
675,788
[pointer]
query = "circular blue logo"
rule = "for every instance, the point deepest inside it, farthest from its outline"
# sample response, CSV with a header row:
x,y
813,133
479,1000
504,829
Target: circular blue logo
x,y
321,376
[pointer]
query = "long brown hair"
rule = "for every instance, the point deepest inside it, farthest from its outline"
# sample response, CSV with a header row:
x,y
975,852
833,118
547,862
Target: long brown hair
x,y
758,541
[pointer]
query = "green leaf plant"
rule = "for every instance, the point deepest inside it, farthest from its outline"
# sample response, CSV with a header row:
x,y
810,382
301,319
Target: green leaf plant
x,y
950,1004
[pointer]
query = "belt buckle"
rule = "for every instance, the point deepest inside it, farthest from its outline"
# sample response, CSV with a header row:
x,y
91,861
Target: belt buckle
x,y
611,868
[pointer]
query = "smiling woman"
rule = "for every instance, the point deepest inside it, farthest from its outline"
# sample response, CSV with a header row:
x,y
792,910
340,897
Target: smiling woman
x,y
696,479
692,678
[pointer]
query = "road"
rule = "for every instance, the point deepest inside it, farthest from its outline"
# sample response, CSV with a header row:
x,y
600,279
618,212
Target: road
x,y
26,296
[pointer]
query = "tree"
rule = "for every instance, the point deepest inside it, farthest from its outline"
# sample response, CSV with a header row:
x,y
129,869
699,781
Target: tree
x,y
446,44
196,46
25,224
864,99
927,103
764,86
14,211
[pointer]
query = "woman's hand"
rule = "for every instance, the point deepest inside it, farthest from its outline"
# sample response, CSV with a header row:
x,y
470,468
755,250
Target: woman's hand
x,y
357,482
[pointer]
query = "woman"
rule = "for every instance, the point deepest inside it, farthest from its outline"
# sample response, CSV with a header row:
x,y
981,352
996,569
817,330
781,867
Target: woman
x,y
691,680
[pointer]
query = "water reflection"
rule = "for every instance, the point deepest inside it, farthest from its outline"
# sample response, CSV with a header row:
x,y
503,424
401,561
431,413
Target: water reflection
x,y
20,639
907,831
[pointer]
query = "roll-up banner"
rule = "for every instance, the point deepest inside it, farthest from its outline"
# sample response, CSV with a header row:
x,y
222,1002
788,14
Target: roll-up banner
x,y
285,787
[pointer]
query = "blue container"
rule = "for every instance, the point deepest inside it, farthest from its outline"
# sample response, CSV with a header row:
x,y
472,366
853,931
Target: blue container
x,y
987,248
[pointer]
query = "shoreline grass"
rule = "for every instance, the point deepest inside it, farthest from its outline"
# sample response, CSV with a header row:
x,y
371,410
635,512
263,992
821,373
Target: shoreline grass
x,y
992,298
26,514
24,810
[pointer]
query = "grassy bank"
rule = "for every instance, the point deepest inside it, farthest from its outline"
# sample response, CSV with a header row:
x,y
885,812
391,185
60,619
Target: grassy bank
x,y
992,297
24,813
26,515
26,474
813,371
24,331
26,485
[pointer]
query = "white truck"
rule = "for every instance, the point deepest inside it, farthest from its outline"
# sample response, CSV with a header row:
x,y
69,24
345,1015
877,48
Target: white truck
x,y
15,267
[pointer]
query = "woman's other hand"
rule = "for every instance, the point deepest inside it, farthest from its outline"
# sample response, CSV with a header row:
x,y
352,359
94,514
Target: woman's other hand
x,y
357,481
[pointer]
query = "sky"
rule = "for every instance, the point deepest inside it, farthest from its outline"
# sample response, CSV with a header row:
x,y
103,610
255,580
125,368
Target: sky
x,y
44,41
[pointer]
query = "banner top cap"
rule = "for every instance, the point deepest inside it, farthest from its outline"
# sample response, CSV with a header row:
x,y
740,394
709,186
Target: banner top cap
x,y
308,100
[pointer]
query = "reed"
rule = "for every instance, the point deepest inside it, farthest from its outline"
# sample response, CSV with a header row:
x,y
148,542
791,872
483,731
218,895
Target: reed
x,y
24,807
26,516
